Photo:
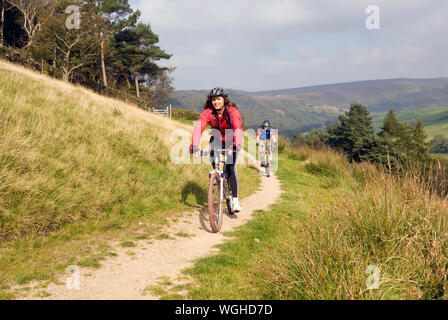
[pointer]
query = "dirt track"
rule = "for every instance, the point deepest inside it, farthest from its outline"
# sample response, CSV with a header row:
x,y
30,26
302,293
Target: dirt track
x,y
126,277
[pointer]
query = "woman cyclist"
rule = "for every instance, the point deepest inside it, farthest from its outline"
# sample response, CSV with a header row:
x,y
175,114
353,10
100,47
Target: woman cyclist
x,y
224,117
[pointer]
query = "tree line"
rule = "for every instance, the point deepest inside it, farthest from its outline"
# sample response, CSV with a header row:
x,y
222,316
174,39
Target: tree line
x,y
354,135
100,44
399,147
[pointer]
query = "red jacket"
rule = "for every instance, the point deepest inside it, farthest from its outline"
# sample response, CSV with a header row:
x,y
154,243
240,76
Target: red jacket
x,y
207,117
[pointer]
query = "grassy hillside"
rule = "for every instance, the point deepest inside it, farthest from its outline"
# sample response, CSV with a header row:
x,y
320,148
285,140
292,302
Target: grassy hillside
x,y
313,107
78,169
334,220
435,120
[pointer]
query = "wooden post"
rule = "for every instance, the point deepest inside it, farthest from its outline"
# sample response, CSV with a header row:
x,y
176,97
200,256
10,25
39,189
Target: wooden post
x,y
170,110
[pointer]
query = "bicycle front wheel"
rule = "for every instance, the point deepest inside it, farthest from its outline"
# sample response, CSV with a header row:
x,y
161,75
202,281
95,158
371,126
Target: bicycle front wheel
x,y
215,202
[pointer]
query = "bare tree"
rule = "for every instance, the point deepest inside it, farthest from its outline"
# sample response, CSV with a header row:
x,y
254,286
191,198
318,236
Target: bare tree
x,y
3,23
68,43
30,10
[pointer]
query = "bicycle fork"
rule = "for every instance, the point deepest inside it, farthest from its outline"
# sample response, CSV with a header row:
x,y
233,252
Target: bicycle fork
x,y
221,189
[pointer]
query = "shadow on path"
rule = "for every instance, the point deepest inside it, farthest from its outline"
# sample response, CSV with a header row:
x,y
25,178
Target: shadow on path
x,y
196,190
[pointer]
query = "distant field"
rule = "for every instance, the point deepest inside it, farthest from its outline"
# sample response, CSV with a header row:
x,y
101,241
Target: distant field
x,y
435,120
437,129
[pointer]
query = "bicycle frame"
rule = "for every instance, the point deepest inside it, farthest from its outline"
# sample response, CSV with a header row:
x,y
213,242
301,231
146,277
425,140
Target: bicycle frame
x,y
266,151
220,160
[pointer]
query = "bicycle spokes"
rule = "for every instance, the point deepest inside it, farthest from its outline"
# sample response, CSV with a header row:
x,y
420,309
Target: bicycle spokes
x,y
216,196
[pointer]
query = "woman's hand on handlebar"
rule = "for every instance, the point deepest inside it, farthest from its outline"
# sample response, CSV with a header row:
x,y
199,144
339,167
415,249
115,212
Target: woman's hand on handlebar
x,y
195,150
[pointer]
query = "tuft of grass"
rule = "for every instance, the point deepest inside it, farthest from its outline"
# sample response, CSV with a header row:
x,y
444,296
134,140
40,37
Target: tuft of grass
x,y
165,281
43,294
22,278
164,236
155,290
183,235
5,295
172,296
127,244
142,237
89,262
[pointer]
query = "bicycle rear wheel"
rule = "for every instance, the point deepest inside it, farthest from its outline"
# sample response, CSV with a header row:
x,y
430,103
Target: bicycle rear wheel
x,y
215,202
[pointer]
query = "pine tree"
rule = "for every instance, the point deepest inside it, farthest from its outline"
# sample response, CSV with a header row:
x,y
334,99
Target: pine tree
x,y
136,53
316,138
420,147
114,16
353,132
391,126
297,138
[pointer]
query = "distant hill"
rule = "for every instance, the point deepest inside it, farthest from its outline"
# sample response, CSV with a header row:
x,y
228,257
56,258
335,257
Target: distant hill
x,y
435,120
317,106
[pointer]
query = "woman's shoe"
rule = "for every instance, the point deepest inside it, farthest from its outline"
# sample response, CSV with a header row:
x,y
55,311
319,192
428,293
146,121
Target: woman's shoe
x,y
236,205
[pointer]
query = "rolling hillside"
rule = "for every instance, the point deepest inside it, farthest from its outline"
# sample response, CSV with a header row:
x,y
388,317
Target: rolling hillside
x,y
435,120
316,106
78,168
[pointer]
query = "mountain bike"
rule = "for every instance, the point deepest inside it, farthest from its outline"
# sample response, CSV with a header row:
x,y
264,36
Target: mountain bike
x,y
265,152
218,188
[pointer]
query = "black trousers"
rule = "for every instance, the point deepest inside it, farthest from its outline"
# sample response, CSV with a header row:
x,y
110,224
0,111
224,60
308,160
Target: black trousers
x,y
232,176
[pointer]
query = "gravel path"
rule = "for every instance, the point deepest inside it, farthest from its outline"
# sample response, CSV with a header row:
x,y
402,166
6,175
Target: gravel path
x,y
126,277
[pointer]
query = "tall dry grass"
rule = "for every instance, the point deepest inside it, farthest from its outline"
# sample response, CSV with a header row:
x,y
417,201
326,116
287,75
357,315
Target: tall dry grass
x,y
68,155
370,217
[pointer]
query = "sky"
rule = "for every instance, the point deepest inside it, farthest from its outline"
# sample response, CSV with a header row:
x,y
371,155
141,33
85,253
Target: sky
x,y
256,45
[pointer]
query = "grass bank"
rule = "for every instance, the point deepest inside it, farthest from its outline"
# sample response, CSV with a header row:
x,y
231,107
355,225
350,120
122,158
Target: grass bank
x,y
78,170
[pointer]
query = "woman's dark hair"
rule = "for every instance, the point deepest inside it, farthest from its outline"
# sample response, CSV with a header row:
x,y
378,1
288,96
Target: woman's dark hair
x,y
227,102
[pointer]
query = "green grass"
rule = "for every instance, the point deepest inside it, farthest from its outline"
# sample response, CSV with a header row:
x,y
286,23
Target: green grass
x,y
127,244
89,262
155,290
435,120
230,274
440,155
317,242
437,129
73,170
183,235
164,236
43,294
5,295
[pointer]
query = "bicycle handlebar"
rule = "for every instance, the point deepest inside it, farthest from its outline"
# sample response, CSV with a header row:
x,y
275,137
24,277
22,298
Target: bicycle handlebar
x,y
205,153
